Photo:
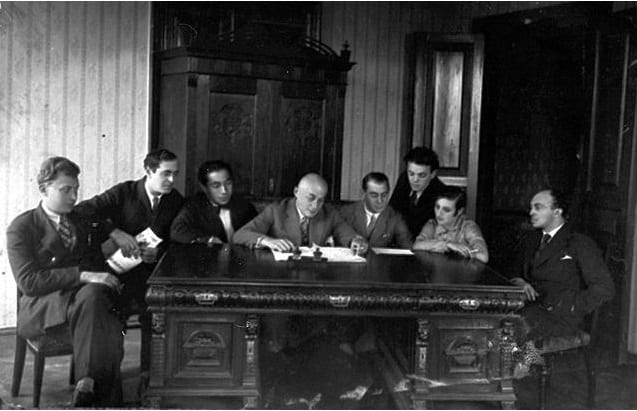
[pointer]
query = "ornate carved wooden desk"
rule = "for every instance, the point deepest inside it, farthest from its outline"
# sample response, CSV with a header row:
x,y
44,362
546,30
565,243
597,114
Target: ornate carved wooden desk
x,y
207,303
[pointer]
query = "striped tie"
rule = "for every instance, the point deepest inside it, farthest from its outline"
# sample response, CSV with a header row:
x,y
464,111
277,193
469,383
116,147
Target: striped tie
x,y
305,238
155,203
64,229
371,224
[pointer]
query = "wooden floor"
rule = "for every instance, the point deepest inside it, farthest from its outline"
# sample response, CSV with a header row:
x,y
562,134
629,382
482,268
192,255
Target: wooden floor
x,y
329,375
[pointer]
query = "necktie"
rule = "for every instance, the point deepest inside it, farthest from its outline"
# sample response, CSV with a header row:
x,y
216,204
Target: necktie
x,y
64,229
154,203
371,224
413,198
305,240
545,240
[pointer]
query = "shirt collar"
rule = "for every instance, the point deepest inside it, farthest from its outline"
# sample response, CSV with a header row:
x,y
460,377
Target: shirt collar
x,y
301,216
369,214
53,216
149,194
553,231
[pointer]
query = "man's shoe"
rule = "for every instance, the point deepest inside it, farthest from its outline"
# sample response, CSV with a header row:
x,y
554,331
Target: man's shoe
x,y
83,395
82,399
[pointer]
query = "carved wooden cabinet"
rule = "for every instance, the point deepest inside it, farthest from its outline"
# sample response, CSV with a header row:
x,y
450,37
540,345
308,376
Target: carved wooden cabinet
x,y
273,113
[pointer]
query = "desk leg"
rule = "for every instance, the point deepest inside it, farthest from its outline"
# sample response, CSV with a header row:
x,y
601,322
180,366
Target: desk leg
x,y
420,389
251,376
507,346
158,360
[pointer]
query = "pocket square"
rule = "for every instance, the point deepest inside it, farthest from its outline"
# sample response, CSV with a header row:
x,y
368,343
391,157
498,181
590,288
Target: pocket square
x,y
566,257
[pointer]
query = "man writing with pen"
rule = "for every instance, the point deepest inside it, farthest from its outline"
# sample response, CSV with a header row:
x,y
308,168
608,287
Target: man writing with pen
x,y
450,231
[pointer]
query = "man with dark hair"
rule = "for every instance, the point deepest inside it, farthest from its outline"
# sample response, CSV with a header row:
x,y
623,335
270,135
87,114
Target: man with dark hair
x,y
450,230
562,272
373,218
128,209
417,188
65,285
214,214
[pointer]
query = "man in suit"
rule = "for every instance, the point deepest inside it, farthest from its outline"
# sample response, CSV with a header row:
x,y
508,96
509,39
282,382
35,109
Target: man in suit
x,y
300,221
561,271
129,208
65,285
213,215
417,189
373,219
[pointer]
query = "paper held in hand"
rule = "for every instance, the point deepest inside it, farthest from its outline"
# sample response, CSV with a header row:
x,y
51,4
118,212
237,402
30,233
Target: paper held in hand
x,y
121,264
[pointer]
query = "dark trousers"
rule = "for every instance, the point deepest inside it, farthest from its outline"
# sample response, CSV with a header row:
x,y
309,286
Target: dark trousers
x,y
134,297
98,344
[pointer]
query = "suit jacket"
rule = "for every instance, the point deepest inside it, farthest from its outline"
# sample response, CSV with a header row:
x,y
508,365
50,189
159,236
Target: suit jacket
x,y
415,215
46,272
569,273
199,218
126,206
281,220
390,228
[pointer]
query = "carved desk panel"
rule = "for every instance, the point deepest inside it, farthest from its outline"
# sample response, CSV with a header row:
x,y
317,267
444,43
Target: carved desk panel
x,y
207,303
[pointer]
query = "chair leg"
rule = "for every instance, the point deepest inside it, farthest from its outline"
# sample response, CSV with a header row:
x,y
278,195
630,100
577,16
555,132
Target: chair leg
x,y
146,332
18,364
591,373
38,371
72,372
545,380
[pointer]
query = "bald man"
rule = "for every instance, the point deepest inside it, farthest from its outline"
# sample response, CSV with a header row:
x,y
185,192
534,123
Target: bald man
x,y
280,226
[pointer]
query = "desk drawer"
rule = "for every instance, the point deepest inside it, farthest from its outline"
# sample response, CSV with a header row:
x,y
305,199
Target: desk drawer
x,y
202,349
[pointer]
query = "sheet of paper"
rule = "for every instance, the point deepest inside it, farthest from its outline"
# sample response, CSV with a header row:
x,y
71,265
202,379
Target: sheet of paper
x,y
333,254
392,251
121,264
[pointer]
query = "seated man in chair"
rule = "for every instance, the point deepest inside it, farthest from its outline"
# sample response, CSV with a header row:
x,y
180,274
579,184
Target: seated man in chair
x,y
64,283
561,272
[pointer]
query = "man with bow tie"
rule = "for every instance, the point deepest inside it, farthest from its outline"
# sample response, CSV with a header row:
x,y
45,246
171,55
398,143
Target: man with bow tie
x,y
213,215
561,271
66,286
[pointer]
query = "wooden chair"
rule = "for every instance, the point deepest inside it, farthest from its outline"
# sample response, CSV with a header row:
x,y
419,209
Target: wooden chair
x,y
584,341
56,344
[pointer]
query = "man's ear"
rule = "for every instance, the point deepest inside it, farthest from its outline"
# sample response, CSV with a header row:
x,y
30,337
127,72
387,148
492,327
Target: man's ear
x,y
434,173
296,191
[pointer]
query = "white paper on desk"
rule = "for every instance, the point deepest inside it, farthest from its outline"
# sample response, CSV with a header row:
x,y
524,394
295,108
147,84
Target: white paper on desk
x,y
333,254
392,251
121,264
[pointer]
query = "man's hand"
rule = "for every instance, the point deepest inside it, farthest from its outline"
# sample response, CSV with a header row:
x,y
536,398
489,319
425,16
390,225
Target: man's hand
x,y
98,277
126,242
461,249
530,292
359,245
149,254
277,244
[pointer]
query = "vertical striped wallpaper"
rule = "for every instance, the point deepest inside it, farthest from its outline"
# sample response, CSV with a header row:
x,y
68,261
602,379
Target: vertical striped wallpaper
x,y
376,34
74,81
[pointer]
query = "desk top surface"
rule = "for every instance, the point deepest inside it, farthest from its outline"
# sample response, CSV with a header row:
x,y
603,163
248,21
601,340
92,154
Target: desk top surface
x,y
224,264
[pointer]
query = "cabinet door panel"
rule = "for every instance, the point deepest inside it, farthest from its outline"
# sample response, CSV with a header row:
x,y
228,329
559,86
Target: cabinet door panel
x,y
232,135
301,140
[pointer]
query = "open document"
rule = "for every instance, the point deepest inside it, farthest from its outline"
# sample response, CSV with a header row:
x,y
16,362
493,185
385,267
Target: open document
x,y
333,254
121,264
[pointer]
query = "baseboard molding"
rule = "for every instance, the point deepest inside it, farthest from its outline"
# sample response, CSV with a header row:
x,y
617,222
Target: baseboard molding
x,y
7,331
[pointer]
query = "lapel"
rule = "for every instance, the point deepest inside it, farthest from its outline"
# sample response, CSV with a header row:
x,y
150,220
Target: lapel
x,y
360,219
51,239
143,197
554,247
292,222
379,227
